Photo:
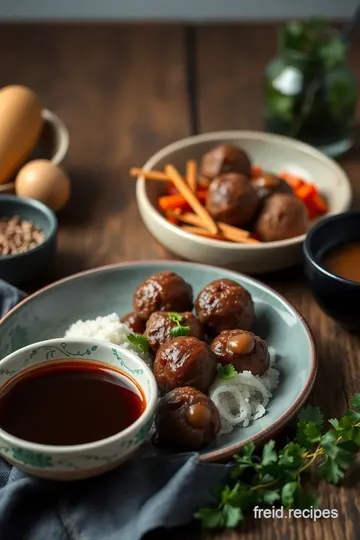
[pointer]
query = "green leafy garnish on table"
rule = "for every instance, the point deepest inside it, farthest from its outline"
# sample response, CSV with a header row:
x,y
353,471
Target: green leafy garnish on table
x,y
179,329
139,341
276,476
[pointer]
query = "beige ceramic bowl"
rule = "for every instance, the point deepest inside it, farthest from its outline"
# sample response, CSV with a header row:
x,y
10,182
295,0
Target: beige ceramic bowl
x,y
273,153
53,142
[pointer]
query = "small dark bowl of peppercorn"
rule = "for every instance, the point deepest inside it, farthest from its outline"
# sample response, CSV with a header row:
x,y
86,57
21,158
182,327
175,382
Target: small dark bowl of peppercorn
x,y
28,238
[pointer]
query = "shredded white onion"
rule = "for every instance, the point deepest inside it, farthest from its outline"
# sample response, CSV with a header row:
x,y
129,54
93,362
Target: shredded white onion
x,y
245,397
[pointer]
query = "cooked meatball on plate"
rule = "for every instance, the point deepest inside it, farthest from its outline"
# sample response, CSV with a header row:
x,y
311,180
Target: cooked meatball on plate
x,y
231,359
186,419
185,361
163,326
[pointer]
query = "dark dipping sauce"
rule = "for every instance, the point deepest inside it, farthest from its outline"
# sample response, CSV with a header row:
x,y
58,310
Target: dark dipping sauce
x,y
69,403
344,260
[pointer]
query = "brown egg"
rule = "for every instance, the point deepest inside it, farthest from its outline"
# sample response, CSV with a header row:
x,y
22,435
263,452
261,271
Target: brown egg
x,y
42,180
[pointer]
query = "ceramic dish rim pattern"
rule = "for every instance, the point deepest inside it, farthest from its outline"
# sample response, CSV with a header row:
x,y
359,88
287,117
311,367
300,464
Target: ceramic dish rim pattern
x,y
225,135
95,445
266,433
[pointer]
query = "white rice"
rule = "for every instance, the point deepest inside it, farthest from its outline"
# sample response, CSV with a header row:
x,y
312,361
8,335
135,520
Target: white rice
x,y
245,397
109,329
239,400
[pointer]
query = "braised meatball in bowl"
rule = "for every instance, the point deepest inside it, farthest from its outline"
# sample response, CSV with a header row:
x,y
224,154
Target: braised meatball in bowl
x,y
269,184
134,322
224,304
244,350
185,361
186,419
232,199
162,327
223,159
283,216
164,291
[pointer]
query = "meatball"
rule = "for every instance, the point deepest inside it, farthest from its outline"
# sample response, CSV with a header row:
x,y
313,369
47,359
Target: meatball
x,y
232,199
165,291
268,184
185,361
134,322
245,350
161,323
224,305
223,159
283,216
186,419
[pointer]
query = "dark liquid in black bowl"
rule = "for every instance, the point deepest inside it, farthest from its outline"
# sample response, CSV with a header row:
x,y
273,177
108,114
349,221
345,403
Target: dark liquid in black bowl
x,y
70,402
344,260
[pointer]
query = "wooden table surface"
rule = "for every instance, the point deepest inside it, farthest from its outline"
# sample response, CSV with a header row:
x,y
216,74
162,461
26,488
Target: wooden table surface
x,y
122,92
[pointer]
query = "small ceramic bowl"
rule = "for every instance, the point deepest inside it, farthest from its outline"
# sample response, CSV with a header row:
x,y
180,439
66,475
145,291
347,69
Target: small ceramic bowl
x,y
337,296
53,142
85,460
273,153
25,267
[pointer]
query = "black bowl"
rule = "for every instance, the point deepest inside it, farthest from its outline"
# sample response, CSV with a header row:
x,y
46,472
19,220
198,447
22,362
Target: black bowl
x,y
25,267
337,296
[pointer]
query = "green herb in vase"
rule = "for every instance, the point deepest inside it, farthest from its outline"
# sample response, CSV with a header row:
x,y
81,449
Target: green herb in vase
x,y
310,91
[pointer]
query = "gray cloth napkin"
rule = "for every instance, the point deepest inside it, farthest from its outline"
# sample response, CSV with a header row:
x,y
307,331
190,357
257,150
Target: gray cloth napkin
x,y
152,490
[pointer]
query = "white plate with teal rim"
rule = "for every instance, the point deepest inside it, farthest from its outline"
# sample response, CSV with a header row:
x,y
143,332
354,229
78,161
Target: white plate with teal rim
x,y
49,312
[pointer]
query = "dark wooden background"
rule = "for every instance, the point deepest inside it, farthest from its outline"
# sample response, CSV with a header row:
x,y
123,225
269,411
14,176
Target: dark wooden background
x,y
123,93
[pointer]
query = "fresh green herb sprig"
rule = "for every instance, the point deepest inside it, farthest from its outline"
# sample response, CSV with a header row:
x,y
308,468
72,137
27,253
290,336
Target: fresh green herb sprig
x,y
276,476
179,329
227,372
139,341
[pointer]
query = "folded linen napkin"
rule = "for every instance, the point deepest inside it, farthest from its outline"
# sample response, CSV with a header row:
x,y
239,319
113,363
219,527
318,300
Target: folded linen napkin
x,y
152,491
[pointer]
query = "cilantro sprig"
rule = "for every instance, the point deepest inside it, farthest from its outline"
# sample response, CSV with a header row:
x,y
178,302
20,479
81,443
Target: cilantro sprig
x,y
276,476
227,372
139,341
179,329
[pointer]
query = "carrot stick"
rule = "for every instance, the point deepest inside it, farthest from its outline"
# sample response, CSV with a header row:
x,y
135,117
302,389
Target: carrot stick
x,y
150,175
229,232
306,192
191,174
172,220
177,201
207,221
161,176
203,232
319,204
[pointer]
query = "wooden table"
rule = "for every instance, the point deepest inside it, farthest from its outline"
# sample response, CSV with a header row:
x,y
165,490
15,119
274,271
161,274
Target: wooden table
x,y
122,91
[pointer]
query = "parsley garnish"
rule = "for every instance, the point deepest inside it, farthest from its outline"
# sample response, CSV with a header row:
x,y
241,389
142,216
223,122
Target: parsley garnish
x,y
178,330
227,372
139,341
277,474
